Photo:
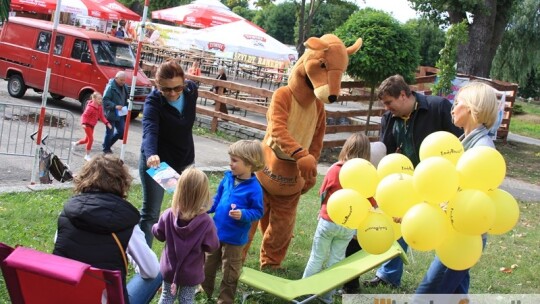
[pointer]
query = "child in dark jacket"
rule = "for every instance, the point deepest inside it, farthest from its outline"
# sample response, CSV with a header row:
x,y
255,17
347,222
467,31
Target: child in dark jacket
x,y
188,232
238,202
93,112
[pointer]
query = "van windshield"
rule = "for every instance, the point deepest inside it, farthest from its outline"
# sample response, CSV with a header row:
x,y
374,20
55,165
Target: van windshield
x,y
113,54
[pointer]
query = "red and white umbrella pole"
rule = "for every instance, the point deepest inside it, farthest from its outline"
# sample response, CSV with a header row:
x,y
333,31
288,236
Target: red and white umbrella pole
x,y
134,78
45,93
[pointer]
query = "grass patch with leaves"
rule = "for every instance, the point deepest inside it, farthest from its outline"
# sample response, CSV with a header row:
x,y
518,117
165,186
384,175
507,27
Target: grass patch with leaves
x,y
522,161
29,219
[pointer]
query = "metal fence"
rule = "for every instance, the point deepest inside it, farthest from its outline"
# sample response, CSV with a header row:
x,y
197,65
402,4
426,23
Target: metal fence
x,y
19,122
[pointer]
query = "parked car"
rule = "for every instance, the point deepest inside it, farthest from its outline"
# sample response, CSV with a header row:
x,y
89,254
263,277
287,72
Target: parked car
x,y
83,61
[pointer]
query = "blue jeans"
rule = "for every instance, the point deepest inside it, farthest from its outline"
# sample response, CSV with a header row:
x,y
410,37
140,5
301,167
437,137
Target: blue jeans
x,y
142,291
439,279
151,203
391,271
329,245
114,134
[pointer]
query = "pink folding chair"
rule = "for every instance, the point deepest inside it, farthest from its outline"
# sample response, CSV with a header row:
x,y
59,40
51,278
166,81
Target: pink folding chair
x,y
32,276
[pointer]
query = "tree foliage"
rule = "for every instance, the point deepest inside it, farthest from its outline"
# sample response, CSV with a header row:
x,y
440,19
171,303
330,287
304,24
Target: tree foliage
x,y
487,22
4,10
430,39
518,53
279,21
330,16
531,87
389,48
456,35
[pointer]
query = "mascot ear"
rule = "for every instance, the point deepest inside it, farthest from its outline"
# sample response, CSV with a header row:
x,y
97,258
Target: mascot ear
x,y
355,47
316,44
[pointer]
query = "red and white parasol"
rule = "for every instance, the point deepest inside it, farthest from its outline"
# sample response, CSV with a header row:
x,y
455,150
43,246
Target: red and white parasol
x,y
125,13
196,15
81,7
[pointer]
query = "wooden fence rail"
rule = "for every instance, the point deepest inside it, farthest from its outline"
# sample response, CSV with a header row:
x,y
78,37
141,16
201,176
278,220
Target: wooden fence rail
x,y
247,105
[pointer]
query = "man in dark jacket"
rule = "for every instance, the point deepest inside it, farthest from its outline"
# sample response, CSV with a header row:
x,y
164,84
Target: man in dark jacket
x,y
114,101
410,117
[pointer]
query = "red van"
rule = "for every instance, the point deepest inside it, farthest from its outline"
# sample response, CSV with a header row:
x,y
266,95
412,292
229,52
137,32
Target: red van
x,y
83,61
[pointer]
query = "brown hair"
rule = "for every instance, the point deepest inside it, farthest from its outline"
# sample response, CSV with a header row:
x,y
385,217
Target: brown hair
x,y
392,86
104,173
169,70
192,194
356,146
250,152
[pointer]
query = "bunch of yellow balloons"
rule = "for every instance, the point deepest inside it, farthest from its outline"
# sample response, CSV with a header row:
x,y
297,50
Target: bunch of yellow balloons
x,y
445,204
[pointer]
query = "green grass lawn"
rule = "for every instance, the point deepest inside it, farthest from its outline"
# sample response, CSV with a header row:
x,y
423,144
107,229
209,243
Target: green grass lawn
x,y
527,123
29,219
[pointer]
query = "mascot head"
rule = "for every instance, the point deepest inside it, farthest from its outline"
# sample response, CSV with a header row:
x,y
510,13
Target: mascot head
x,y
317,73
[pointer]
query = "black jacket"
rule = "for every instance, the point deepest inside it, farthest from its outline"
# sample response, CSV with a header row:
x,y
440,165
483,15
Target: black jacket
x,y
432,114
85,229
166,131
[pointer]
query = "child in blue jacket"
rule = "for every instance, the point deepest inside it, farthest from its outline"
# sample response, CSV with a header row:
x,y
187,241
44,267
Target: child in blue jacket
x,y
238,203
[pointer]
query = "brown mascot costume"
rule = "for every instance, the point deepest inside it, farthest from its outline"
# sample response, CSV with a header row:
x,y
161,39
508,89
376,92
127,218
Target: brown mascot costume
x,y
294,138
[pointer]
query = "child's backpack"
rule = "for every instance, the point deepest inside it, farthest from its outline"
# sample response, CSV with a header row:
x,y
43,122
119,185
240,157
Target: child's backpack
x,y
59,171
50,164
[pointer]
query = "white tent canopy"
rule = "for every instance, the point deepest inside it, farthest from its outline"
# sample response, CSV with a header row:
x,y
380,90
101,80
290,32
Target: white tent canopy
x,y
241,37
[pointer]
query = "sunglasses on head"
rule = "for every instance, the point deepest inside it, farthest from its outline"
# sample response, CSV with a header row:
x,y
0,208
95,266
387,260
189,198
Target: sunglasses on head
x,y
177,89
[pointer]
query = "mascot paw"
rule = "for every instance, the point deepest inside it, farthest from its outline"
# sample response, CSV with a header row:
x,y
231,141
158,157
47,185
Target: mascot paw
x,y
309,183
308,167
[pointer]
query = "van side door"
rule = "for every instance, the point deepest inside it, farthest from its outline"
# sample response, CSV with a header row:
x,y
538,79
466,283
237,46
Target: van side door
x,y
77,74
57,67
38,60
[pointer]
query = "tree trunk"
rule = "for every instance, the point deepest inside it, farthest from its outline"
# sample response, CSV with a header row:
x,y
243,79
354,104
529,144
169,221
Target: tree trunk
x,y
485,35
301,31
371,101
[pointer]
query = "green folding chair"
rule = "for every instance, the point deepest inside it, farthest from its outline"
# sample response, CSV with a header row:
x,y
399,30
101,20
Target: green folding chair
x,y
320,283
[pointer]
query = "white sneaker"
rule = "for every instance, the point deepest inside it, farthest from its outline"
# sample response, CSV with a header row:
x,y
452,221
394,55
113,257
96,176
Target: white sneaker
x,y
73,145
87,157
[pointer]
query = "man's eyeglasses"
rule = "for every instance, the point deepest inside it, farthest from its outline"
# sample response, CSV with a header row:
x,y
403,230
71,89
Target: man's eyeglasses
x,y
177,89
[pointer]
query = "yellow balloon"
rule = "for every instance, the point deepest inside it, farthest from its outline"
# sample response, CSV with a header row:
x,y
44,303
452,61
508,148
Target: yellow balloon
x,y
396,194
424,226
394,163
506,211
346,207
482,168
375,233
435,179
360,175
460,251
441,143
471,212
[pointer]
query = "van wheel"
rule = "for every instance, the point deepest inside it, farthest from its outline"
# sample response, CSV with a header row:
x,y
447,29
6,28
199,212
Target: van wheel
x,y
84,100
135,114
16,86
57,97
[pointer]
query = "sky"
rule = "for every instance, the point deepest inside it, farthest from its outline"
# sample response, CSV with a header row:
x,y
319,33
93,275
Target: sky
x,y
400,9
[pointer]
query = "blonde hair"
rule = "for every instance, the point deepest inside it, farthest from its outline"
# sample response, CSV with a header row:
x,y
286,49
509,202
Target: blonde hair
x,y
96,95
103,173
481,99
192,194
250,152
356,146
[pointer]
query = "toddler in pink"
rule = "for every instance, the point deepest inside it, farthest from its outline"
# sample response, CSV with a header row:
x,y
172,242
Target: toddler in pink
x,y
93,112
